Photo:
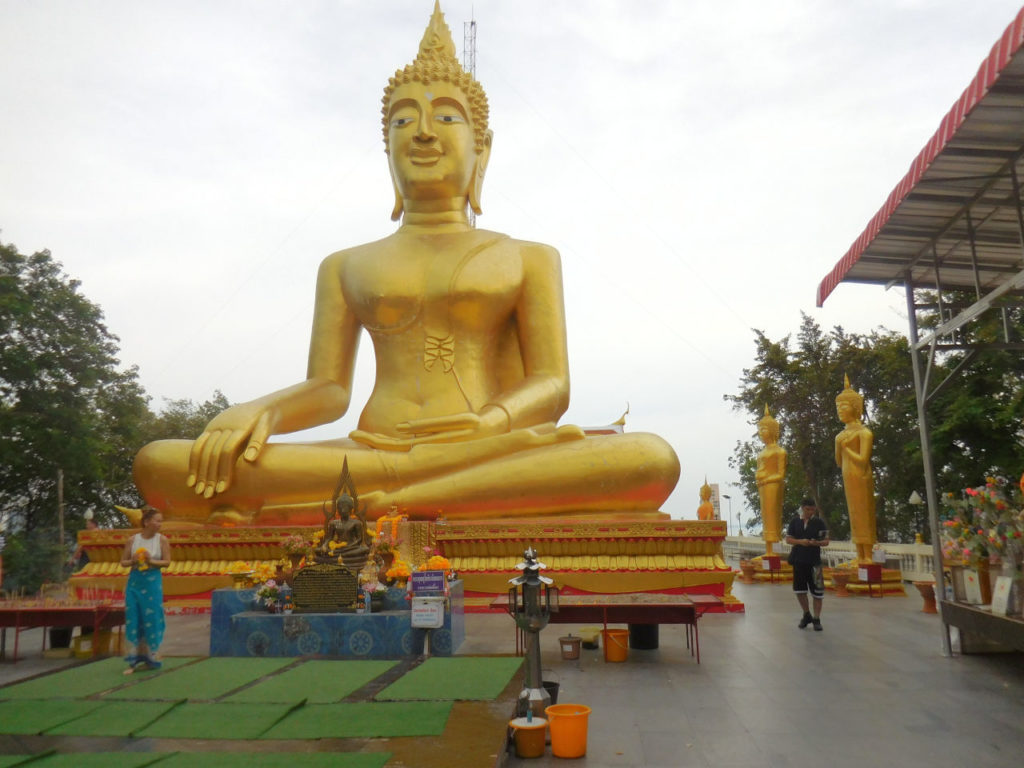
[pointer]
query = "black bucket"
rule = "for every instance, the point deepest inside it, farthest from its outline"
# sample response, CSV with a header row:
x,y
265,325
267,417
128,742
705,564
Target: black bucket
x,y
60,637
643,637
552,689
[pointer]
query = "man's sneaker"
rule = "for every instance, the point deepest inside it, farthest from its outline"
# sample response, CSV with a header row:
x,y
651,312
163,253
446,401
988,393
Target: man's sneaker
x,y
807,619
817,624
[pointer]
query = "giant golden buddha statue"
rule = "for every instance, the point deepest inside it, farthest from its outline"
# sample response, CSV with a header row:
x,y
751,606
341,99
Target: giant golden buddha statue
x,y
771,480
472,375
853,455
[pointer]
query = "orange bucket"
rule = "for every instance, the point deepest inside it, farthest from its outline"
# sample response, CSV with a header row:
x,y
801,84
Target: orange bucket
x,y
616,644
530,736
568,729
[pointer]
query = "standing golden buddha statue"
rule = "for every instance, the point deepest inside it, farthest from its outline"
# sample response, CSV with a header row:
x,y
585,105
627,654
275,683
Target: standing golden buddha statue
x,y
706,510
853,455
771,480
468,331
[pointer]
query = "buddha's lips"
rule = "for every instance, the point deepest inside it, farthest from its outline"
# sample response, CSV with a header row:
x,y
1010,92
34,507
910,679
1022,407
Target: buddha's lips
x,y
424,156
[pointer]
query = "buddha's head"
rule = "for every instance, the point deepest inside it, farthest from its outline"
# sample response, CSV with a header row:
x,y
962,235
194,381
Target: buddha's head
x,y
435,124
344,506
849,403
768,428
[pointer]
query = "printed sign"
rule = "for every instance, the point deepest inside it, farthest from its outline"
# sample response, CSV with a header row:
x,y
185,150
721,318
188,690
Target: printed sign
x,y
427,581
972,586
1001,595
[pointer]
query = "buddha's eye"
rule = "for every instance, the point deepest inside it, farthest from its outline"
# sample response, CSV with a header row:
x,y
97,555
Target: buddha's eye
x,y
448,118
398,122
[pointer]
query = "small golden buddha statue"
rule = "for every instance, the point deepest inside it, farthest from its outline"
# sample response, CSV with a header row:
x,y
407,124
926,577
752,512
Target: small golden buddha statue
x,y
853,455
468,331
771,479
706,510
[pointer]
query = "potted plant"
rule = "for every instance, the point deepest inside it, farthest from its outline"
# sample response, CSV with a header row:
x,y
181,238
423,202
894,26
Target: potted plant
x,y
383,549
840,578
295,549
268,594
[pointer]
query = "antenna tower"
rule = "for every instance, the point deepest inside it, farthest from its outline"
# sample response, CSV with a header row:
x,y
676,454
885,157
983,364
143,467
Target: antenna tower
x,y
469,64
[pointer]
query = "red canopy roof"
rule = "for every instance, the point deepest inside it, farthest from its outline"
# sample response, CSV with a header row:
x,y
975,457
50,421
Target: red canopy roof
x,y
921,232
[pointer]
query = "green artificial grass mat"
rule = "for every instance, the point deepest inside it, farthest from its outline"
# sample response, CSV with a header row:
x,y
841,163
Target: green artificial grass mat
x,y
318,682
276,760
207,679
216,721
85,680
100,760
462,678
366,720
24,718
115,718
7,761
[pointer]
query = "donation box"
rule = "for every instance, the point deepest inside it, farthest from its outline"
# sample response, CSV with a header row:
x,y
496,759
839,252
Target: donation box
x,y
428,612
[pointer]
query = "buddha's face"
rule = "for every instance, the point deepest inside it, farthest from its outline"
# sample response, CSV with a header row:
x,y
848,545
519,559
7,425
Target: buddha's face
x,y
431,144
345,507
767,433
847,411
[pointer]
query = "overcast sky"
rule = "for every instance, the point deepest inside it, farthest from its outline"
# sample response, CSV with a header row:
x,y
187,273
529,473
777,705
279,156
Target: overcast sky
x,y
699,165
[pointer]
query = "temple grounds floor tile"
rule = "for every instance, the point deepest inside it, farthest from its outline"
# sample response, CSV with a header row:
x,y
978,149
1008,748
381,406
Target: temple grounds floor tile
x,y
876,672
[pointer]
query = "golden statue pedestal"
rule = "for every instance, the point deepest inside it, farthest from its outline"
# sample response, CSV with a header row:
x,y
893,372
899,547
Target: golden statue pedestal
x,y
584,555
772,569
886,581
675,556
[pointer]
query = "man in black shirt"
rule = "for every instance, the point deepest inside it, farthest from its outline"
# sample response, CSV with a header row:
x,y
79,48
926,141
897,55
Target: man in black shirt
x,y
807,534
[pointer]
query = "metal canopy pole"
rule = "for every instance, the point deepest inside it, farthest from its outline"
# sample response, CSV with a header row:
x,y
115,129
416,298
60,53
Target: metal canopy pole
x,y
926,459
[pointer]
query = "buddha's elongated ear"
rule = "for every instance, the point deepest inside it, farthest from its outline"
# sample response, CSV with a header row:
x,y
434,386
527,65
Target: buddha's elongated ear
x,y
396,212
476,185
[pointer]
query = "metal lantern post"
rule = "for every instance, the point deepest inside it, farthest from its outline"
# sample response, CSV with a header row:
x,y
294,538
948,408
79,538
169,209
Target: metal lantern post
x,y
531,601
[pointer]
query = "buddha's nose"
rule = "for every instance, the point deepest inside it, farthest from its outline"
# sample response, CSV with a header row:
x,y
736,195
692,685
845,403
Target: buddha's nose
x,y
425,127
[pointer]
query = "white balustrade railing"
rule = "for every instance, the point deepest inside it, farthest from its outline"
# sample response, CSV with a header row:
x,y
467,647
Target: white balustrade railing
x,y
916,561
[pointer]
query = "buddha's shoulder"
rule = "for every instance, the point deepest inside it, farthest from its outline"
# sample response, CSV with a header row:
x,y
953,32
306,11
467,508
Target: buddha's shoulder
x,y
361,251
528,250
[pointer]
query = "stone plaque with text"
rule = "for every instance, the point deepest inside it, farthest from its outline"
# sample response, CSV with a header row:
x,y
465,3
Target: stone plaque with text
x,y
324,589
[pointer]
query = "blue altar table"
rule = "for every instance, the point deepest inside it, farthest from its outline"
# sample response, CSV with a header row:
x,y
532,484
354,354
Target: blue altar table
x,y
238,630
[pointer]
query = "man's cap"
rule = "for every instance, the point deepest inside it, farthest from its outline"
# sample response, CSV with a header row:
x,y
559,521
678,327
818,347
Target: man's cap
x,y
808,502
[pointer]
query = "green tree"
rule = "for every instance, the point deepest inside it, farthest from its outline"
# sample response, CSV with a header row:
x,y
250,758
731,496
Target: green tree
x,y
184,419
978,421
799,381
65,404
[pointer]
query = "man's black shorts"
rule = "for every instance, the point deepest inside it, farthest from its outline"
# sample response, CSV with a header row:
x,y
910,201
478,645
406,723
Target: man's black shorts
x,y
808,578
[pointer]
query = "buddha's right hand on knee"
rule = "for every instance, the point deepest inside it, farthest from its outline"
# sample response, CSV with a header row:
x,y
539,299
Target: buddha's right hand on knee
x,y
211,462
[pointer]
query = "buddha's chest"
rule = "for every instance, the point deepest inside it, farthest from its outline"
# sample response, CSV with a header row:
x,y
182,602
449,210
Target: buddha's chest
x,y
461,285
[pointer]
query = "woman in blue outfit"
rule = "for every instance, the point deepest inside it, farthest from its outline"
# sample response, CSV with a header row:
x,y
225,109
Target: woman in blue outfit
x,y
145,553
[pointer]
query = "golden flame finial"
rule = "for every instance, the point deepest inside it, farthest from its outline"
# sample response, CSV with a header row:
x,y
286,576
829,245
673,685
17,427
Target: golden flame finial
x,y
437,43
